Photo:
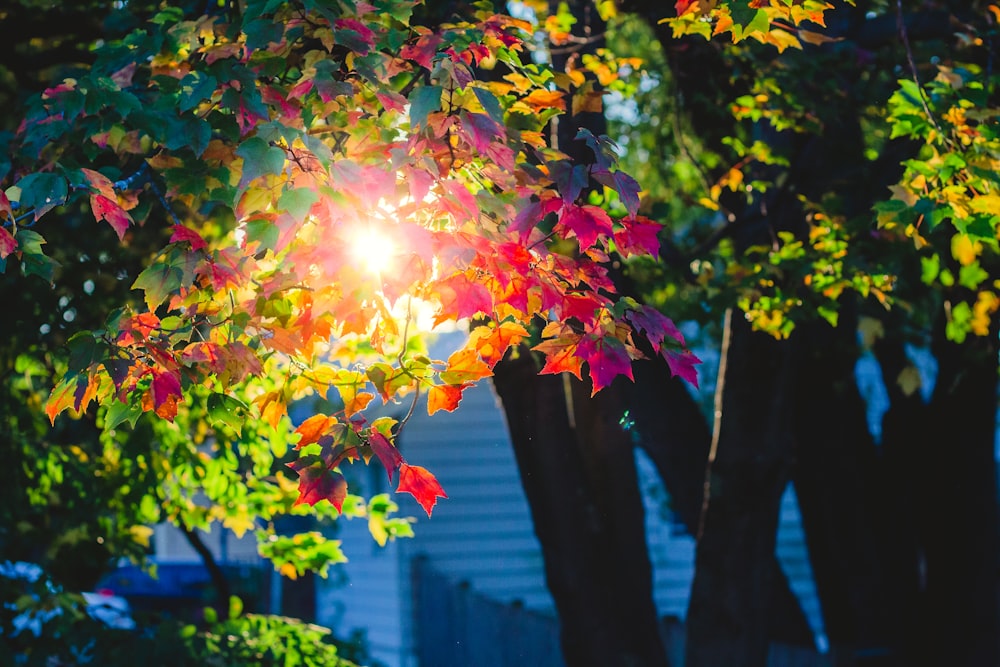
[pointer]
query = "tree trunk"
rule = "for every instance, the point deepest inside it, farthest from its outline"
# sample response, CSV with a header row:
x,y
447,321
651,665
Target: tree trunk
x,y
579,476
747,473
671,429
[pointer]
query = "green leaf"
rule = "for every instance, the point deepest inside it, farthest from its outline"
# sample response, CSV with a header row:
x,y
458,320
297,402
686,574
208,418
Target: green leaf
x,y
423,102
42,192
119,412
224,409
259,159
158,281
297,202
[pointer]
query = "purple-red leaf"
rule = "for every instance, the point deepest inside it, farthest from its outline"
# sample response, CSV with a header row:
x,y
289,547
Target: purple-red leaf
x,y
682,364
655,325
606,357
586,222
386,452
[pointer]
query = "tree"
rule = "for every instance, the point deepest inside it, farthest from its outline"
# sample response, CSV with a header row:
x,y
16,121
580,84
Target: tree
x,y
272,146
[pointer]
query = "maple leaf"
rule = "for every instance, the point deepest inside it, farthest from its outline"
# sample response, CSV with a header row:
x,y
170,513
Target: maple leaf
x,y
421,484
539,100
682,364
386,452
638,236
606,357
492,342
182,233
317,482
444,397
313,428
63,396
105,208
586,222
166,393
655,325
461,297
627,187
560,356
423,51
465,366
8,243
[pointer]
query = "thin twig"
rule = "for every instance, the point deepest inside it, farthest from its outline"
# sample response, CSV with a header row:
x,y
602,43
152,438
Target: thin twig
x,y
901,25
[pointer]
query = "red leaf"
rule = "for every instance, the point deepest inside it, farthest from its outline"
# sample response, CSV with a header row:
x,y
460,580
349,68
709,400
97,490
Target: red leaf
x,y
5,208
420,483
560,356
531,215
166,391
317,482
386,452
8,243
460,297
444,397
682,364
423,51
587,222
639,236
606,357
108,209
182,233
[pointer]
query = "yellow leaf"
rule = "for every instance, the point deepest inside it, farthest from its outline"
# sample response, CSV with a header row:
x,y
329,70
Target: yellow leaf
x,y
817,38
909,380
988,204
141,534
964,249
986,304
239,524
288,570
871,331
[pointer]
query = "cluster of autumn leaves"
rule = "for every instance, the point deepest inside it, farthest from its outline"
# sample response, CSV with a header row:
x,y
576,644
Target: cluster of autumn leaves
x,y
306,124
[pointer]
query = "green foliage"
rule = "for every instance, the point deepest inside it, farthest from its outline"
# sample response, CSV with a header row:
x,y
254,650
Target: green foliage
x,y
239,639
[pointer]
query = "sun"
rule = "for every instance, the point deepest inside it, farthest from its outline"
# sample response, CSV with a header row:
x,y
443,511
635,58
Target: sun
x,y
373,250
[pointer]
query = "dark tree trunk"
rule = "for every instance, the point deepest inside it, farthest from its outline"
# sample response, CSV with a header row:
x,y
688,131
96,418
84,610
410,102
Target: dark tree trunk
x,y
748,470
672,431
840,485
579,476
957,620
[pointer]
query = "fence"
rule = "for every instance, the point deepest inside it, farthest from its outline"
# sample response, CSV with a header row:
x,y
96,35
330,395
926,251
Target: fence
x,y
458,627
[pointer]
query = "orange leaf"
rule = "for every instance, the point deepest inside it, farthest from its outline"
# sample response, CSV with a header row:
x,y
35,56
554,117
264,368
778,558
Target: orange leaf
x,y
539,100
465,366
312,429
444,397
